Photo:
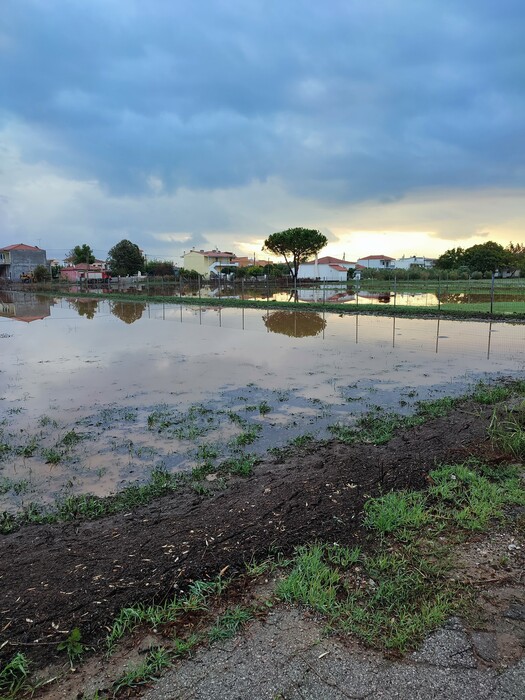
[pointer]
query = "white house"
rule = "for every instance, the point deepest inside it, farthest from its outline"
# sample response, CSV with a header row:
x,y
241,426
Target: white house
x,y
377,262
326,268
406,263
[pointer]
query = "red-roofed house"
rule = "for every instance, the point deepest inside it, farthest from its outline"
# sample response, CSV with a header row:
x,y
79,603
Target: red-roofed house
x,y
377,262
326,268
20,259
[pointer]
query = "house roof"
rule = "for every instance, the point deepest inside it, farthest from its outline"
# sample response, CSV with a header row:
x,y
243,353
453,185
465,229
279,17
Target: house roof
x,y
21,246
339,268
377,257
213,253
82,266
329,260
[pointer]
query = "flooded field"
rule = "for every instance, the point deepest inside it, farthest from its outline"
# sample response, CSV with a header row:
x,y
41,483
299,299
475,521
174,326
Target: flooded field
x,y
96,394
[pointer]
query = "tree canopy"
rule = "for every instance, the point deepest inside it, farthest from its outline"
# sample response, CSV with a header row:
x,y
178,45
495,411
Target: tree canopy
x,y
81,254
160,268
483,257
296,245
125,258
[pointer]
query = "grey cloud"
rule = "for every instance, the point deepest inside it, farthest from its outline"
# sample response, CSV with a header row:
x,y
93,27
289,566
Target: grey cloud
x,y
343,101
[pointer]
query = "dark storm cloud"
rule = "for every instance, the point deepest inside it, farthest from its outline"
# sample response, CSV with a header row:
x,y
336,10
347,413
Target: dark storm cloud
x,y
342,100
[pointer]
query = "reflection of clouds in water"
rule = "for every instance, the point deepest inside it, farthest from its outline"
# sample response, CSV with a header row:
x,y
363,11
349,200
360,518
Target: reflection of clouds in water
x,y
296,324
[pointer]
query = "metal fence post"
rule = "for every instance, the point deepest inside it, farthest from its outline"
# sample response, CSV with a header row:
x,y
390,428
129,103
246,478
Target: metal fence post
x,y
492,295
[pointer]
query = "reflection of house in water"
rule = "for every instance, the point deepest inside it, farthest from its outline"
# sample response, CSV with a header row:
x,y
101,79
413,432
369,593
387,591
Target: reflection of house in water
x,y
25,307
381,297
297,324
320,295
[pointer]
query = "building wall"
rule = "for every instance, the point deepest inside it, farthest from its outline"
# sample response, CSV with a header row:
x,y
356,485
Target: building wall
x,y
24,261
196,261
377,264
324,272
406,263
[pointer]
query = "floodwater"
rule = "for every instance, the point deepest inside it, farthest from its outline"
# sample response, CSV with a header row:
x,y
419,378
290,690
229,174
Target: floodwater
x,y
94,394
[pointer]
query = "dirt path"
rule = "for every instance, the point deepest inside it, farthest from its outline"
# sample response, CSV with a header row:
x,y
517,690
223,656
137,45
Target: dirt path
x,y
57,577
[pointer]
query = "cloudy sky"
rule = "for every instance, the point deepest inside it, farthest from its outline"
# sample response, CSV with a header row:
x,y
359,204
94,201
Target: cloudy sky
x,y
393,126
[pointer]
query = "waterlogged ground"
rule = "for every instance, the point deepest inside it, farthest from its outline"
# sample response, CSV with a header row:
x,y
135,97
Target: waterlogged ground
x,y
97,394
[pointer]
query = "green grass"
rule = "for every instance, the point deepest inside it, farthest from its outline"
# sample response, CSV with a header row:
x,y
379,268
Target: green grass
x,y
391,595
507,430
396,510
228,624
388,599
157,660
472,499
14,677
488,395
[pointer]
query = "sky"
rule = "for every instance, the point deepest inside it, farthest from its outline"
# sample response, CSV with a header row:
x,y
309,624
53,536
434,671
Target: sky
x,y
395,127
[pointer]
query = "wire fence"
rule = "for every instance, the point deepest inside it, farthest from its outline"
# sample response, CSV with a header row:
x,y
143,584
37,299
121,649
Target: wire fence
x,y
496,296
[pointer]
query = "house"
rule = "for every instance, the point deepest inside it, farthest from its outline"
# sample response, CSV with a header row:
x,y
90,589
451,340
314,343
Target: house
x,y
19,260
414,261
377,262
208,262
249,262
83,272
326,268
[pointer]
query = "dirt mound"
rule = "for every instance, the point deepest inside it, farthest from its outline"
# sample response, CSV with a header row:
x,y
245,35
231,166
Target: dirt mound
x,y
57,577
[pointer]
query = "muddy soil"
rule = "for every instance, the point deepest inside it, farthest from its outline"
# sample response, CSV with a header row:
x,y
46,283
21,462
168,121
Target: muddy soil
x,y
57,577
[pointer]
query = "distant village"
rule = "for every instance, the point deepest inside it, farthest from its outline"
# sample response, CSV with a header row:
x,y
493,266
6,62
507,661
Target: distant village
x,y
18,262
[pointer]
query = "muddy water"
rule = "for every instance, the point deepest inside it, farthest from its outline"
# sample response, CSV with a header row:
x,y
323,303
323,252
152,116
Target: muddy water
x,y
95,394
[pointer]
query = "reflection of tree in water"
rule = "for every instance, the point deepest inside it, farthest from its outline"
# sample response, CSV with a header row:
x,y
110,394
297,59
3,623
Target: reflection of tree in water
x,y
84,307
128,311
297,324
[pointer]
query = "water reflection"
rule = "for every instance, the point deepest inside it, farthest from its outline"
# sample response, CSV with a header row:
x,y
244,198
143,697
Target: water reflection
x,y
127,311
84,307
25,307
296,324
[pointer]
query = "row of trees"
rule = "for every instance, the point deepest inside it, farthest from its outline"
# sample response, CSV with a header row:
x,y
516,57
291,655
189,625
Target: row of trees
x,y
125,258
483,258
295,245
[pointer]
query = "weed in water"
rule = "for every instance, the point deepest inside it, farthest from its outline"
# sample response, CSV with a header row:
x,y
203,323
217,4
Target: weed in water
x,y
29,449
51,456
46,421
247,437
302,440
18,487
72,438
264,408
241,466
